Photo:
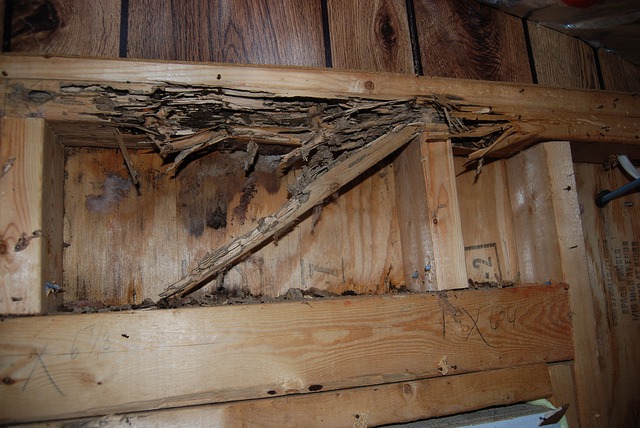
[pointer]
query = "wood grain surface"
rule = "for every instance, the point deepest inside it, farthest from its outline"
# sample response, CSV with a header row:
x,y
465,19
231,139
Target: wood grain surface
x,y
561,60
66,27
549,236
21,198
355,407
613,250
95,364
254,32
617,73
487,228
469,40
369,35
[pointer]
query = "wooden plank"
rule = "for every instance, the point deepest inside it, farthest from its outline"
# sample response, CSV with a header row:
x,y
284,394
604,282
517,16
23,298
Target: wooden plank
x,y
156,359
370,36
256,32
617,73
613,253
548,232
563,391
52,217
487,223
66,27
428,208
529,113
360,407
470,40
22,152
562,60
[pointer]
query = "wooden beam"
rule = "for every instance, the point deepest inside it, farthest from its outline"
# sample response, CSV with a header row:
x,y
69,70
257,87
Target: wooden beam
x,y
548,232
533,113
360,407
562,383
31,216
429,211
71,366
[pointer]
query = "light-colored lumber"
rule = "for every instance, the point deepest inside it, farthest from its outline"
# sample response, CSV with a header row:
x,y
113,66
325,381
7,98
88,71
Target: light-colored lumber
x,y
612,239
533,113
71,366
428,210
366,406
562,384
548,233
30,248
341,173
487,223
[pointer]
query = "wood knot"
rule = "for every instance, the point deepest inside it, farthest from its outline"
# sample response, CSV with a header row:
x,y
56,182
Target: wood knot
x,y
369,85
384,29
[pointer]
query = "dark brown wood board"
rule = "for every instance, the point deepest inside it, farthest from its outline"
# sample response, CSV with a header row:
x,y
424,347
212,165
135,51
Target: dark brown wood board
x,y
469,40
617,73
256,32
66,27
369,35
561,60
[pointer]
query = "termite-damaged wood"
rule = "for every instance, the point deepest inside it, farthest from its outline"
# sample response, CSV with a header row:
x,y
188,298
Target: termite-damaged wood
x,y
311,189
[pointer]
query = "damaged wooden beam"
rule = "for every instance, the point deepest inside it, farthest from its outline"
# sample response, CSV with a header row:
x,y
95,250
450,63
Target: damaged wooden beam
x,y
476,114
54,367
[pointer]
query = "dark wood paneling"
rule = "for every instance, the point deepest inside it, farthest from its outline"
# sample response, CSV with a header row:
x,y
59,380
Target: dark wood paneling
x,y
465,39
66,27
561,60
259,32
617,73
370,35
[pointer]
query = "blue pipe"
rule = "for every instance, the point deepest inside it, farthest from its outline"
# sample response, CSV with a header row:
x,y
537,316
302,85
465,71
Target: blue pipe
x,y
605,196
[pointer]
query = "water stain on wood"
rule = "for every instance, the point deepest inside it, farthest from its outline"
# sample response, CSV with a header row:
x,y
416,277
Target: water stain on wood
x,y
115,188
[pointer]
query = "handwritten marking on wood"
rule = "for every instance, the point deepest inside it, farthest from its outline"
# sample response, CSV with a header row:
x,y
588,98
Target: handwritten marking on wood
x,y
147,360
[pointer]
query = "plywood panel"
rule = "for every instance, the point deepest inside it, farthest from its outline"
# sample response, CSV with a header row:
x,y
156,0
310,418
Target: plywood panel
x,y
356,407
562,60
487,228
256,32
465,39
66,27
120,247
369,35
613,248
95,364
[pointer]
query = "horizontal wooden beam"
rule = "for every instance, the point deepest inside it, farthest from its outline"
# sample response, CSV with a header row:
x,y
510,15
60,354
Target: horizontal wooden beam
x,y
529,113
356,407
85,365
